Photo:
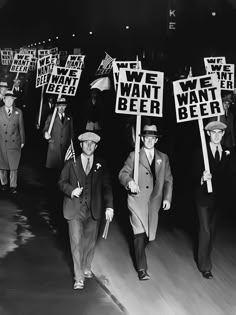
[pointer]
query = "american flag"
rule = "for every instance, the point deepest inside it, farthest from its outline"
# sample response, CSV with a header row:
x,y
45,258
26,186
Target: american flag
x,y
106,61
70,153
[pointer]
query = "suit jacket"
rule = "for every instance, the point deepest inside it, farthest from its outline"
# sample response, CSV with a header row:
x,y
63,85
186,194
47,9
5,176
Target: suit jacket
x,y
12,135
147,204
61,136
220,177
101,190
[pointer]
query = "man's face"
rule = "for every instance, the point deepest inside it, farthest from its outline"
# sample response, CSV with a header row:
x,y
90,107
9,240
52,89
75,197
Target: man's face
x,y
88,147
149,141
216,136
3,90
61,109
9,101
226,105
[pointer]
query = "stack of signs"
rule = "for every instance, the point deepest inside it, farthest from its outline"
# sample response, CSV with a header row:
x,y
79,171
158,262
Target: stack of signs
x,y
197,98
21,63
44,69
75,62
224,71
63,81
6,57
43,53
140,92
33,64
117,65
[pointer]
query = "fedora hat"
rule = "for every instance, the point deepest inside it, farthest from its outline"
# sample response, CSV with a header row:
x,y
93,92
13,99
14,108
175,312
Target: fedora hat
x,y
4,84
9,94
150,131
61,101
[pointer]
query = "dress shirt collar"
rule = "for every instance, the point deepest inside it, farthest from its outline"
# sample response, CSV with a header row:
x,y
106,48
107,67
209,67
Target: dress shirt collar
x,y
84,160
213,148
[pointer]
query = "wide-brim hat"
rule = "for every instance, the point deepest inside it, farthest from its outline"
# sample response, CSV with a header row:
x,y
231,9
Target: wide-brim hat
x,y
4,84
215,125
61,101
89,136
9,94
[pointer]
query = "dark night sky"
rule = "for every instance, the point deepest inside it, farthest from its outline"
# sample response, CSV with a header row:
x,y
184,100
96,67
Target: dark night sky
x,y
27,21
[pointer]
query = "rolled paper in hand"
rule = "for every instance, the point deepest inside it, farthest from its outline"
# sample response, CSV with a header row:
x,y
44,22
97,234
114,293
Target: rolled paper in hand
x,y
105,232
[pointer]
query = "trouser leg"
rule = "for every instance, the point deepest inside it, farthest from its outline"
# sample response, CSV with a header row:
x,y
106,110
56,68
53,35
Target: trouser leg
x,y
90,237
13,179
140,241
3,177
76,243
205,242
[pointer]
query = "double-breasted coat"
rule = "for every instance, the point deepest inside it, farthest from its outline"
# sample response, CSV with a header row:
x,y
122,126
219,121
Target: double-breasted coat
x,y
12,136
61,136
147,203
101,189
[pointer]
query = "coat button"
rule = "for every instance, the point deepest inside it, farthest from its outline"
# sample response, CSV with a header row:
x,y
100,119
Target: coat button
x,y
5,140
147,173
147,186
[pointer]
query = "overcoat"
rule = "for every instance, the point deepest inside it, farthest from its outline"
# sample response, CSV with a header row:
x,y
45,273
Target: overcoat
x,y
61,136
12,135
101,189
147,203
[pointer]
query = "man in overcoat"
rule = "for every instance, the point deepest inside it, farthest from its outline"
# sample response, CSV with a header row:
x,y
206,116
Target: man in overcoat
x,y
207,203
153,191
12,140
60,137
87,192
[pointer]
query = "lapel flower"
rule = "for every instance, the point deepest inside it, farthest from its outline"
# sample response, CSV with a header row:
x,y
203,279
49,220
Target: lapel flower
x,y
16,112
68,118
98,165
159,161
227,152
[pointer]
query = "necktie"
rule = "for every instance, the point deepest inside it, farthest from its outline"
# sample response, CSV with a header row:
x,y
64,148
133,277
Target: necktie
x,y
9,112
62,118
87,169
217,155
150,157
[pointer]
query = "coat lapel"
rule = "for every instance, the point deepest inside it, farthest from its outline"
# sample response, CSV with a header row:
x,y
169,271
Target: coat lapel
x,y
144,160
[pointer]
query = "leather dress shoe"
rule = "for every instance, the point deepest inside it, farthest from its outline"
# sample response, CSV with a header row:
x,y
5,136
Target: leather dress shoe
x,y
79,284
143,275
4,187
207,274
13,190
88,274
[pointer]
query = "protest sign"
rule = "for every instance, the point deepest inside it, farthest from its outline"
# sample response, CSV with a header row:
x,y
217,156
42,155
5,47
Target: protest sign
x,y
54,51
63,81
75,62
43,52
6,57
209,60
197,97
117,65
140,92
44,68
33,64
21,63
225,74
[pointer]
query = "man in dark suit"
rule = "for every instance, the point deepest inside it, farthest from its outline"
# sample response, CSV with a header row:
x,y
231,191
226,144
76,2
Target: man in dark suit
x,y
208,204
60,137
87,189
152,192
12,140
